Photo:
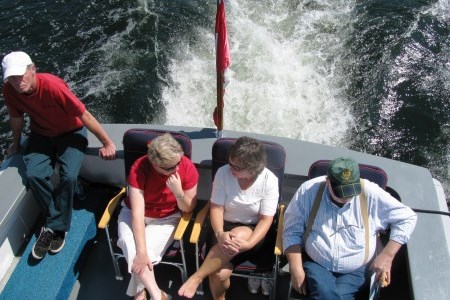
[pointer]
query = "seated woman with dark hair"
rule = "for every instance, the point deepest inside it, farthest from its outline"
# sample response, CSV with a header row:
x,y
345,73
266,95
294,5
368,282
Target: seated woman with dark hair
x,y
243,204
160,185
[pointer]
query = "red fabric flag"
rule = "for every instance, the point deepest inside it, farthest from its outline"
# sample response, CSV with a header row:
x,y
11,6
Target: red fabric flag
x,y
222,48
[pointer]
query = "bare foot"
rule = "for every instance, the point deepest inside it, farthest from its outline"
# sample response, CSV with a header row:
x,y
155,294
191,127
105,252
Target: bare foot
x,y
189,288
164,296
142,295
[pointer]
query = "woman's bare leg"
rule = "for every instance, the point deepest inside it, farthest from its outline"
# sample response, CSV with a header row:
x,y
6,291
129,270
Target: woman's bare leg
x,y
142,295
214,261
219,283
148,279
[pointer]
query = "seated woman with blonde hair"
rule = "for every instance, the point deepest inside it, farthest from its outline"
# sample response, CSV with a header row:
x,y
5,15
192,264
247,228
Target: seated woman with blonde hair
x,y
160,185
243,204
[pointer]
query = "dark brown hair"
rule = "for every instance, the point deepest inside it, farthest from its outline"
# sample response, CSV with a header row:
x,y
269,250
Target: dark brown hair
x,y
249,153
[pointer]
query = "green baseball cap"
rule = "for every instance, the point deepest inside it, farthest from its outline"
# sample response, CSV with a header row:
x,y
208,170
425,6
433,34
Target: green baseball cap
x,y
343,173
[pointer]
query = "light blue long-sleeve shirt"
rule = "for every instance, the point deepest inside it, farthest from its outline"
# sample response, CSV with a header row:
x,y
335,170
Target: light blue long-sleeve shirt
x,y
337,237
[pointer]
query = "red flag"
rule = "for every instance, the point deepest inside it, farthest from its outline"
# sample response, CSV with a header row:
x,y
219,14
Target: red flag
x,y
222,61
222,47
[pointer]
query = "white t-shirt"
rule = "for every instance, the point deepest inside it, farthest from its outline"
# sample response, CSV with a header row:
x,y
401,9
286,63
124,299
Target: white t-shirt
x,y
245,206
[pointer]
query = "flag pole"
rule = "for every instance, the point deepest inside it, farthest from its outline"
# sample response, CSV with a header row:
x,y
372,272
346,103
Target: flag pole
x,y
222,62
220,104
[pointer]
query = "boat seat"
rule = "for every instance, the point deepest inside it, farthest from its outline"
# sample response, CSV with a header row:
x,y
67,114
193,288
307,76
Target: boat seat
x,y
135,146
276,160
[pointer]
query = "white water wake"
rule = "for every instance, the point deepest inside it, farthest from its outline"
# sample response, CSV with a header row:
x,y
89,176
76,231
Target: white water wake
x,y
286,64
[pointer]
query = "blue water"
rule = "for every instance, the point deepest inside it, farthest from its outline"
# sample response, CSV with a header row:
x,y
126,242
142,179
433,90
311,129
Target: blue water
x,y
373,76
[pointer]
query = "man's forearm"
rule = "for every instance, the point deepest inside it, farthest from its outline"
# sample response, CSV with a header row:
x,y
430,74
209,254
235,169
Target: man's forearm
x,y
294,256
93,126
16,128
391,249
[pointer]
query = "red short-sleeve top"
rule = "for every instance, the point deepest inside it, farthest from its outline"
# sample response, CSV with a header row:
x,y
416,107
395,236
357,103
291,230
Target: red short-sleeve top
x,y
160,202
53,108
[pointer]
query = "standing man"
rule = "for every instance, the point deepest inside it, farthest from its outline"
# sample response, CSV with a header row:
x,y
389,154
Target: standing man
x,y
58,134
332,259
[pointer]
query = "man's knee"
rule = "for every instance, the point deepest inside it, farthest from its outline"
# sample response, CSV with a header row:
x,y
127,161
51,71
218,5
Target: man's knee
x,y
69,172
38,169
35,175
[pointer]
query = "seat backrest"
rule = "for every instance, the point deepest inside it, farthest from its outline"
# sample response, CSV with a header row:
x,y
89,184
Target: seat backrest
x,y
135,144
276,157
371,173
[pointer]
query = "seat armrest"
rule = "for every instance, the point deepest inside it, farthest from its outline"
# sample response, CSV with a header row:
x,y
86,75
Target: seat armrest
x,y
182,225
110,208
279,241
199,220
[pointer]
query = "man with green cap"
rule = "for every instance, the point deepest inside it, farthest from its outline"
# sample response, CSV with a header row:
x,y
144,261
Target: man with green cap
x,y
330,246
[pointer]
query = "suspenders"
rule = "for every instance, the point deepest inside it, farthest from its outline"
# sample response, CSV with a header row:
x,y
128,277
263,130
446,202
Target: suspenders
x,y
313,213
365,216
364,213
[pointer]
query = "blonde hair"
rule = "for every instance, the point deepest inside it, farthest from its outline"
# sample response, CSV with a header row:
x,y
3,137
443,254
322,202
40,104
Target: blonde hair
x,y
164,150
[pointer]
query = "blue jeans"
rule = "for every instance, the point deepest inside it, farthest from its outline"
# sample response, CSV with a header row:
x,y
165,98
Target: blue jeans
x,y
325,285
41,155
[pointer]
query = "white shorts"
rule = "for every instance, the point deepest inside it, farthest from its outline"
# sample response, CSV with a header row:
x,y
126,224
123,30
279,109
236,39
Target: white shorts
x,y
158,237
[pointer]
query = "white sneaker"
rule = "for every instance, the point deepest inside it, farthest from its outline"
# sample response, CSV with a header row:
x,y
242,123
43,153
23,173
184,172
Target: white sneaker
x,y
266,286
253,284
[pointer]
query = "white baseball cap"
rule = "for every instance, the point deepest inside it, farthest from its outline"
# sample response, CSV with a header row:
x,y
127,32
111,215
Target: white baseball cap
x,y
15,64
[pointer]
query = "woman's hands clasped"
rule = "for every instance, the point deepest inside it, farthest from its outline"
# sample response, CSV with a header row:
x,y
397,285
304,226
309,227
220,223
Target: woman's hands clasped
x,y
231,244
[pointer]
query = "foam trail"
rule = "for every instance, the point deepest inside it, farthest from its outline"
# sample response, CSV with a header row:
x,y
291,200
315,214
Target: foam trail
x,y
285,60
